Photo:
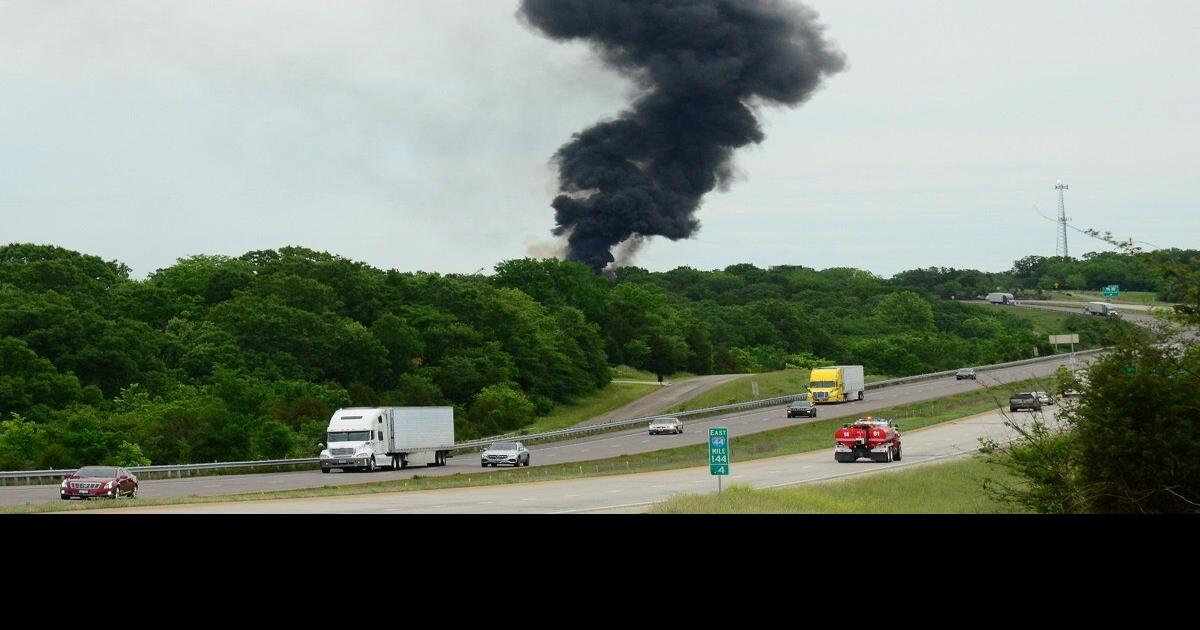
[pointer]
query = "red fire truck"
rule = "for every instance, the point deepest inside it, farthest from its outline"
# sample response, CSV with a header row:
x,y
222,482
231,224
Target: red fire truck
x,y
877,438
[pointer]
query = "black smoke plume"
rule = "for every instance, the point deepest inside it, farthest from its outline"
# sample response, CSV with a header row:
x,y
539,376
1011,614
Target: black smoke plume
x,y
701,65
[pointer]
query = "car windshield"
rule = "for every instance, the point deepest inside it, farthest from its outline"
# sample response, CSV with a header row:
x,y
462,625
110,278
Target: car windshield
x,y
665,420
503,446
97,471
802,404
349,436
966,371
822,384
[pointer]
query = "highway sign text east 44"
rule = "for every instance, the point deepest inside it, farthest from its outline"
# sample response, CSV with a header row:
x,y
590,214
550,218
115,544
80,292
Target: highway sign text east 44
x,y
1111,290
718,451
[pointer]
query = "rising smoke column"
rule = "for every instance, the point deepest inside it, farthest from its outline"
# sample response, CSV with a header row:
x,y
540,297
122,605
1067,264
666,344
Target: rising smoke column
x,y
701,64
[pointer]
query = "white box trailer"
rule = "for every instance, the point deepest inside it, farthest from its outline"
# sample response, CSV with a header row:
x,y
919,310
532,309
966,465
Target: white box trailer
x,y
1102,309
1001,298
368,438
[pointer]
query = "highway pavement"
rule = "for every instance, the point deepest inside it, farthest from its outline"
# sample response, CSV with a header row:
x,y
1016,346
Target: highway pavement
x,y
669,396
633,492
583,449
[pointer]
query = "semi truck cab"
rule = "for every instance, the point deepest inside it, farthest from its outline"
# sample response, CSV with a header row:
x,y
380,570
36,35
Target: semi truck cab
x,y
355,440
826,385
839,383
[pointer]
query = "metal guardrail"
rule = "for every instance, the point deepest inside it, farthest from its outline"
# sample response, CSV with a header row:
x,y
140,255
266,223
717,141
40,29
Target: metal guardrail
x,y
14,477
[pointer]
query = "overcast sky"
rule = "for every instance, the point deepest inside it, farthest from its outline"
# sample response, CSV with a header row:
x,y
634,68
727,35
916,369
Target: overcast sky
x,y
416,135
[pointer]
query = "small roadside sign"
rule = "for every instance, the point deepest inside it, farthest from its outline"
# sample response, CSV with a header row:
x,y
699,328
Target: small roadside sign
x,y
1111,291
718,453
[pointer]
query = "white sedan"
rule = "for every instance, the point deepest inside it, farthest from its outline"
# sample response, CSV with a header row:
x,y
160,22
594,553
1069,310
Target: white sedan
x,y
666,425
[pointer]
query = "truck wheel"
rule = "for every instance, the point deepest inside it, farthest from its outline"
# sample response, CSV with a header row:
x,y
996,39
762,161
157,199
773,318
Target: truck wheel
x,y
371,466
899,452
325,470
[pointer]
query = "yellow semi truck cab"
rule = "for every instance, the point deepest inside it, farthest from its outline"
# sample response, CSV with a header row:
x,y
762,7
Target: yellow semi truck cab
x,y
838,383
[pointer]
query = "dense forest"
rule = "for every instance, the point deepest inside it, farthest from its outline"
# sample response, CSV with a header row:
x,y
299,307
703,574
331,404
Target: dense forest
x,y
220,359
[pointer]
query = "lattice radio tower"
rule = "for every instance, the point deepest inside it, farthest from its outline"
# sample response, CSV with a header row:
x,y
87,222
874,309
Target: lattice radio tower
x,y
1061,250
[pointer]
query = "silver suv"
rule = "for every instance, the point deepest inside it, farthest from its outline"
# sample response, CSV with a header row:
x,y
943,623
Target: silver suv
x,y
512,453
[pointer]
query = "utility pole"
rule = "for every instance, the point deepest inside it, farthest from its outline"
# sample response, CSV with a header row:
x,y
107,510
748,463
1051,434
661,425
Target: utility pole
x,y
1061,250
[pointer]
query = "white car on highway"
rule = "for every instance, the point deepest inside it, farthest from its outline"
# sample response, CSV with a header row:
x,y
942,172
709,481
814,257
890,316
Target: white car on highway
x,y
1044,398
508,453
666,425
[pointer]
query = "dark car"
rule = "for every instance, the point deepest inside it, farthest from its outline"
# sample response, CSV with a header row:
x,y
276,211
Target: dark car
x,y
964,373
1024,400
110,482
802,408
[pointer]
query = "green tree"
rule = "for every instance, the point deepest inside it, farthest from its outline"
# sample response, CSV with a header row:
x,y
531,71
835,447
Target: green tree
x,y
500,408
905,310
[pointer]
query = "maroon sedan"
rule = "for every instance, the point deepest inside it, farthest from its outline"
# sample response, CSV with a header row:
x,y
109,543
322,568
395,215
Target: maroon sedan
x,y
99,481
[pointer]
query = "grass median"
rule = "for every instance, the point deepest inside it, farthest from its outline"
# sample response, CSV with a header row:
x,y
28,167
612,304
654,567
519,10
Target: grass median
x,y
945,488
801,438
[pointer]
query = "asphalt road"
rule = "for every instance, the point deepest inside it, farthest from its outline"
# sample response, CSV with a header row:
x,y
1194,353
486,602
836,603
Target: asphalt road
x,y
626,493
665,398
583,449
1133,318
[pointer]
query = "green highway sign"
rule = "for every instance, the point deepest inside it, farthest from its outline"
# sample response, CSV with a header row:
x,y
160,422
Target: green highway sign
x,y
1111,290
718,451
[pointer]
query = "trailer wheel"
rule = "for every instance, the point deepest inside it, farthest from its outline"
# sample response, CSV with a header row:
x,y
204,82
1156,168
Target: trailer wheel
x,y
862,395
403,461
325,470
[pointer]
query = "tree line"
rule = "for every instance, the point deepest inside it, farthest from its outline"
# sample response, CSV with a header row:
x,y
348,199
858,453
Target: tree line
x,y
227,358
1037,274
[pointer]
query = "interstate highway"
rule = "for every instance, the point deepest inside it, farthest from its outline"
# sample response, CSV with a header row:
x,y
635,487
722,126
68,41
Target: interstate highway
x,y
582,449
626,493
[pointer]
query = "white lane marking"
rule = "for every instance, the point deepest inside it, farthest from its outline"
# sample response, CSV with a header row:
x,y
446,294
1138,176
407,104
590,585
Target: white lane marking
x,y
584,450
485,502
613,491
528,499
572,495
607,507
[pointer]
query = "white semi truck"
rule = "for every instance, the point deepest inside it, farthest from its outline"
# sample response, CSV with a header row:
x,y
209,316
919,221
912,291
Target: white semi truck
x,y
368,438
1100,308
